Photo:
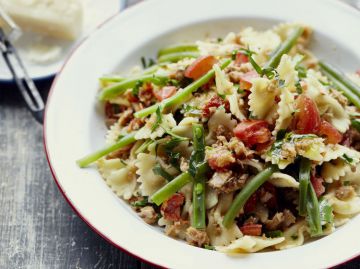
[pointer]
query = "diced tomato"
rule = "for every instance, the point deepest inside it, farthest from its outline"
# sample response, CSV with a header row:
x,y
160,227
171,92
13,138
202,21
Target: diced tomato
x,y
131,98
332,135
171,207
241,58
200,67
215,101
165,92
250,204
317,183
307,119
251,229
246,80
253,132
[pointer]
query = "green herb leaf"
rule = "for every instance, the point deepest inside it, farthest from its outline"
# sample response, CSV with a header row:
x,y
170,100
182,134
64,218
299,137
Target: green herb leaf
x,y
158,119
141,203
347,159
301,71
136,89
274,234
208,247
299,89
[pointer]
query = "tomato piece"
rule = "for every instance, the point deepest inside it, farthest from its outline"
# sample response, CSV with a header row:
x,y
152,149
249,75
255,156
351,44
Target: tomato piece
x,y
253,132
200,67
171,207
358,72
333,136
246,80
250,204
241,58
307,119
165,92
215,101
317,183
251,229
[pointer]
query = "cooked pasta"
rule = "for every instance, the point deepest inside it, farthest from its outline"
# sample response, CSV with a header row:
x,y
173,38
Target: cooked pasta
x,y
237,144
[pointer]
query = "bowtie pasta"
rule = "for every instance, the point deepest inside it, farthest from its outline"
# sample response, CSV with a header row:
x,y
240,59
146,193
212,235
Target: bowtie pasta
x,y
235,144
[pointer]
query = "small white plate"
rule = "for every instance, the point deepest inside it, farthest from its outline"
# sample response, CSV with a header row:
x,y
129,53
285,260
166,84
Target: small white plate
x,y
74,123
36,50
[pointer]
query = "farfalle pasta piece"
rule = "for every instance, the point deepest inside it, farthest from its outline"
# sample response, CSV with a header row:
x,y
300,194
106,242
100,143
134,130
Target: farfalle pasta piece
x,y
219,118
149,182
223,85
294,236
353,177
287,72
249,244
262,97
211,197
283,180
119,177
336,151
184,128
286,109
113,133
218,234
334,170
347,207
187,192
236,102
168,123
263,43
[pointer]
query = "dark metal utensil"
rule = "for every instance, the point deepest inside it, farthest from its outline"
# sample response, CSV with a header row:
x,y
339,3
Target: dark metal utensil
x,y
24,83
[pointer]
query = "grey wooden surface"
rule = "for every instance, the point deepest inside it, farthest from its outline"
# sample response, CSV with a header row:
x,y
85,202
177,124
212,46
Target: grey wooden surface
x,y
38,229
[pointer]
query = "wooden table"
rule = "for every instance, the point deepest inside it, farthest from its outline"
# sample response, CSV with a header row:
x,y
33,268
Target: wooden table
x,y
38,229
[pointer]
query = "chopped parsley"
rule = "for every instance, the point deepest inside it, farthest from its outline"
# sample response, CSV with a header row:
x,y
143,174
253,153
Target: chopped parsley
x,y
158,119
141,203
147,63
274,234
347,159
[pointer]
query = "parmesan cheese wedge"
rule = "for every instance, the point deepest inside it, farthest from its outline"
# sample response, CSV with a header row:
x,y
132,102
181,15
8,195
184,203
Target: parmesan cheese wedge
x,y
61,19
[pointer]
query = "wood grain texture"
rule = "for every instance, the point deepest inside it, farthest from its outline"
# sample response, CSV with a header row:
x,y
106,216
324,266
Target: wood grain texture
x,y
38,229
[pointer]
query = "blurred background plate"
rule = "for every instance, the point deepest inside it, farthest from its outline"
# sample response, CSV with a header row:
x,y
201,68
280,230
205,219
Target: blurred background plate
x,y
43,56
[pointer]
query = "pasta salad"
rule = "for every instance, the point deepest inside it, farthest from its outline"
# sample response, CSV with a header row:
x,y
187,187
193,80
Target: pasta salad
x,y
235,144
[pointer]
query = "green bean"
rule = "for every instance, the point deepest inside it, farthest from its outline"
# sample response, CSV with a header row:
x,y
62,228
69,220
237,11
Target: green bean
x,y
174,57
197,157
313,211
350,95
170,188
177,48
124,141
285,47
304,179
341,77
176,184
120,87
182,95
246,192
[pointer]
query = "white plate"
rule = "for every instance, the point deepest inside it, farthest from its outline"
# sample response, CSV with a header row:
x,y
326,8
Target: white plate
x,y
74,123
95,12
